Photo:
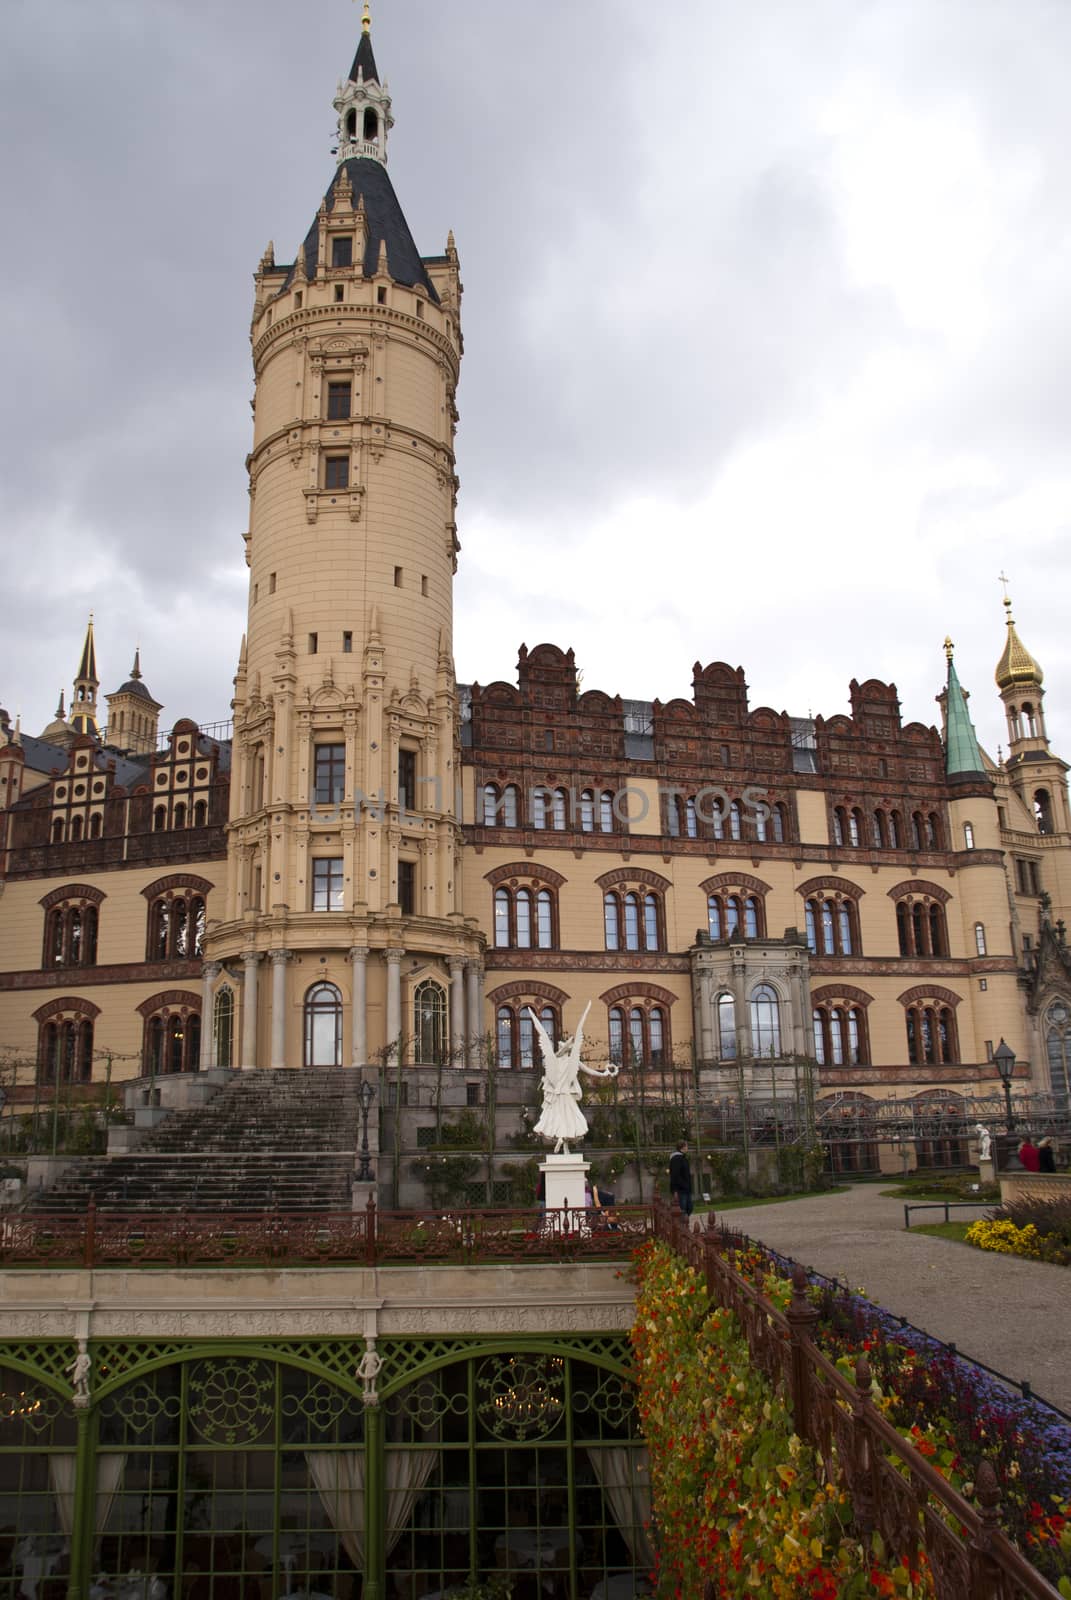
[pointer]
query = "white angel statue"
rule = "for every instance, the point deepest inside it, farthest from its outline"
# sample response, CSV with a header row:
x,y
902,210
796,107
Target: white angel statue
x,y
561,1118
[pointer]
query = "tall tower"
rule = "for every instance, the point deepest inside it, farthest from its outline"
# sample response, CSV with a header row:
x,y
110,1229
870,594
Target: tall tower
x,y
344,835
83,717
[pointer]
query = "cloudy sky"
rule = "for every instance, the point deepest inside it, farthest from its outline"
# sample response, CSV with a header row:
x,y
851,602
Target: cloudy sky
x,y
767,344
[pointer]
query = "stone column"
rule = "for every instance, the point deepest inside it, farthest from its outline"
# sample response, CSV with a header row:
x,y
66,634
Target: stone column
x,y
474,973
249,1010
208,1020
394,1004
706,1015
279,958
457,1011
359,1019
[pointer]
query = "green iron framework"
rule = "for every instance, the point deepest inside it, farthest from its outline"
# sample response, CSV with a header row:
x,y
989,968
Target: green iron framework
x,y
227,1469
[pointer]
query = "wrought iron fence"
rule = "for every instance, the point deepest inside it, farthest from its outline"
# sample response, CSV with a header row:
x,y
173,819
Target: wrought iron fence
x,y
892,1489
369,1237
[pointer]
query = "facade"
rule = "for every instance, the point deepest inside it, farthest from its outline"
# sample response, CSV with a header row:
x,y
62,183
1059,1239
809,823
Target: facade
x,y
375,864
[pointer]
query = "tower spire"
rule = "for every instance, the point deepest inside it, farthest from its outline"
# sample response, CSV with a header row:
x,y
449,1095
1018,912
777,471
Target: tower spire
x,y
363,104
963,756
83,717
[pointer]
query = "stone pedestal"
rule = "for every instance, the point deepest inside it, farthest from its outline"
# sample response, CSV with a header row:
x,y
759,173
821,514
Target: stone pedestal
x,y
986,1171
564,1178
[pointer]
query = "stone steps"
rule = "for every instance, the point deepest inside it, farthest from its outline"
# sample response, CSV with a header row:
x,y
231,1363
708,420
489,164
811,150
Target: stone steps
x,y
279,1141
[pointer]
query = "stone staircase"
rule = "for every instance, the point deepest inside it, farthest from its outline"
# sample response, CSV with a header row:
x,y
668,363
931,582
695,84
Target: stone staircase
x,y
267,1141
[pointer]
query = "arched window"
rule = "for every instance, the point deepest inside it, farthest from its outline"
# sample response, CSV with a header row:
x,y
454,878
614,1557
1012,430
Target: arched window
x,y
429,1023
979,938
587,811
223,1026
840,826
71,922
639,1035
691,821
765,1021
931,1034
896,833
735,916
1058,1051
525,918
725,1009
159,819
673,819
830,921
515,1039
500,810
65,1047
76,829
57,831
734,820
1043,810
176,926
540,798
855,826
968,836
179,815
920,926
558,810
96,823
323,1026
877,830
606,812
840,1034
779,819
611,921
172,1036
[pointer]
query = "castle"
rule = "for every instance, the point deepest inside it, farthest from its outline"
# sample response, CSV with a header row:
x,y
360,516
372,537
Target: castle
x,y
376,864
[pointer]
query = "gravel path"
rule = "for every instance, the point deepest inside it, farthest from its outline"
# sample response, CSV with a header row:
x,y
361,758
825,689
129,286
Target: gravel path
x,y
1014,1315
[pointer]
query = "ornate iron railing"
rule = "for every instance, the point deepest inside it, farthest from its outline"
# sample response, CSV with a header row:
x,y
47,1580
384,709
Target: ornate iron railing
x,y
368,1237
891,1486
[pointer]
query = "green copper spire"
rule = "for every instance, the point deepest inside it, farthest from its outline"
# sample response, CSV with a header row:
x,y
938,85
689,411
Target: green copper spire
x,y
962,752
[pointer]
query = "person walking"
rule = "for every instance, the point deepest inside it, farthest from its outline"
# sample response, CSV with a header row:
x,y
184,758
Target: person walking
x,y
1028,1155
1046,1156
680,1178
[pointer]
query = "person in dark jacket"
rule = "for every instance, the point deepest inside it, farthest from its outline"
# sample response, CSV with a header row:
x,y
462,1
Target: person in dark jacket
x,y
680,1178
1046,1156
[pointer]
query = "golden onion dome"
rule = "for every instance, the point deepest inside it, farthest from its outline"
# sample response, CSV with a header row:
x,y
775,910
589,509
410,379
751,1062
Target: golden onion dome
x,y
1016,664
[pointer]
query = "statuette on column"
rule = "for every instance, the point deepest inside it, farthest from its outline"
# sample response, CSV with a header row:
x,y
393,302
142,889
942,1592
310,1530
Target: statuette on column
x,y
368,1370
79,1370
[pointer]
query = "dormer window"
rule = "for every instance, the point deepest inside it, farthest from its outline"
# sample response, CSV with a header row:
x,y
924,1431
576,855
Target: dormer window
x,y
371,125
342,250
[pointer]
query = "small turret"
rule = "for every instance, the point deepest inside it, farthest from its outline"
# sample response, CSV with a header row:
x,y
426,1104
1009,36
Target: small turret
x,y
963,755
133,715
363,105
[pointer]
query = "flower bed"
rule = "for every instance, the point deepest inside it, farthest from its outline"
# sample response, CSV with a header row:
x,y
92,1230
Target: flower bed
x,y
1037,1228
954,1412
742,1504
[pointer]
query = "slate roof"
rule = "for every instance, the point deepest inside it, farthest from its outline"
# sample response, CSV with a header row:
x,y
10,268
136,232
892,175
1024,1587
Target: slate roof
x,y
365,60
134,686
385,221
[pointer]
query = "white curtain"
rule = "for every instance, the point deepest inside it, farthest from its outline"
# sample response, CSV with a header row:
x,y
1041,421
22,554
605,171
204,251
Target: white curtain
x,y
61,1474
407,1473
622,1470
339,1479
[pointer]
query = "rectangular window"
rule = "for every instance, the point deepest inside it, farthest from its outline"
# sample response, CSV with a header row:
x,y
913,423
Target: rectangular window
x,y
407,887
381,296
342,250
472,1094
337,472
329,774
347,643
327,883
420,309
424,584
340,293
397,577
407,779
339,396
299,299
271,582
314,643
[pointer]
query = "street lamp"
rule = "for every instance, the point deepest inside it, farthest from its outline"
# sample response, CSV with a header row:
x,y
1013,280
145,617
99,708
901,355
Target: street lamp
x,y
364,1169
1004,1056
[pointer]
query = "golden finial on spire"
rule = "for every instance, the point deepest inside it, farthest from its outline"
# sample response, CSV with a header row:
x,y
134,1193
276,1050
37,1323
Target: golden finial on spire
x,y
366,18
949,647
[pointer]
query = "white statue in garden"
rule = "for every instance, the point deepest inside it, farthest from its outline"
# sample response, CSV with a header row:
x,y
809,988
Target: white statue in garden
x,y
985,1141
561,1118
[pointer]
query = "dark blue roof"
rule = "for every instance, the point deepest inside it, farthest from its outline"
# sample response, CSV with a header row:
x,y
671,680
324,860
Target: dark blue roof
x,y
385,221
